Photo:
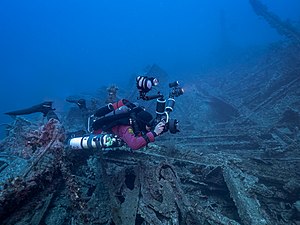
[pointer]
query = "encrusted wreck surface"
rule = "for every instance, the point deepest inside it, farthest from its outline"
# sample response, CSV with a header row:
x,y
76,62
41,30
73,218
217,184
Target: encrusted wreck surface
x,y
235,161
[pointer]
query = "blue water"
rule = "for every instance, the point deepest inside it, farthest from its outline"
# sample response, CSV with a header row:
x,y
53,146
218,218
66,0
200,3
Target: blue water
x,y
51,49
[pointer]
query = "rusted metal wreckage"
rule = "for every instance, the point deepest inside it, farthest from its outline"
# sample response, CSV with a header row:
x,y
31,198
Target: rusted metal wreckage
x,y
236,166
235,161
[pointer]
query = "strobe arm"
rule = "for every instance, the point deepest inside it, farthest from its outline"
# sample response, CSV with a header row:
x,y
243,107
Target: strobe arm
x,y
151,97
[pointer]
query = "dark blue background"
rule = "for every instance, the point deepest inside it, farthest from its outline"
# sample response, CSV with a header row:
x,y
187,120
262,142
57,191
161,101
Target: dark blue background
x,y
50,49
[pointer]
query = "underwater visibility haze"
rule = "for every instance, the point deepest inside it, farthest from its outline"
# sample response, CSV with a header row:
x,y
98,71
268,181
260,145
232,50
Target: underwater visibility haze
x,y
52,49
236,157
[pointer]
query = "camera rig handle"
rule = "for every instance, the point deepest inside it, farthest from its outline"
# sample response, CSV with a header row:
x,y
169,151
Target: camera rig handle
x,y
149,97
163,107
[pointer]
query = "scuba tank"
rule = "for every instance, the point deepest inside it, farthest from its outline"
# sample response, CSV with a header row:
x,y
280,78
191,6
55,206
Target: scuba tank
x,y
95,141
120,116
104,119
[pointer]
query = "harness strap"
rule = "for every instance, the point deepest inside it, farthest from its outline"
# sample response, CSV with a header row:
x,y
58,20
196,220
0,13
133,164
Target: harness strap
x,y
146,138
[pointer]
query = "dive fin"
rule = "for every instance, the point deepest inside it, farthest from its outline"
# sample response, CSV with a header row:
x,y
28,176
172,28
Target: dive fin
x,y
44,108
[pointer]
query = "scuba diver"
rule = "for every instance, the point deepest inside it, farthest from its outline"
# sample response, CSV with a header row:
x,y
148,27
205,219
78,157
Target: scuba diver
x,y
119,123
124,122
134,128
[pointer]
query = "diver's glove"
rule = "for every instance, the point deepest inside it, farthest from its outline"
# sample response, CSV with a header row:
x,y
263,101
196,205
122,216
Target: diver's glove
x,y
159,128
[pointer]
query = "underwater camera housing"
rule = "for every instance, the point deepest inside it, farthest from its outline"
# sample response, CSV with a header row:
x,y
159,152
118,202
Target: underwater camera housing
x,y
144,84
164,108
176,90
